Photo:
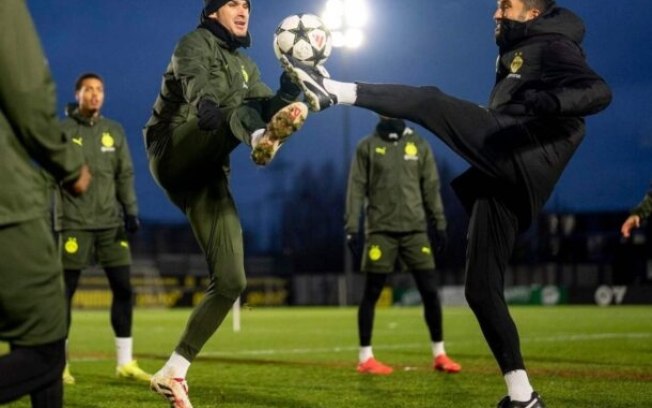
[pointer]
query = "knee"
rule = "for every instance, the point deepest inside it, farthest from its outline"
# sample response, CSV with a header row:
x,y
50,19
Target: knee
x,y
231,285
477,298
123,292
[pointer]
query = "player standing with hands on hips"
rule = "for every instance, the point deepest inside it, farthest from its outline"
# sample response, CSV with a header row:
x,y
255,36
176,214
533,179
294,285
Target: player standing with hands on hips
x,y
517,147
211,100
394,176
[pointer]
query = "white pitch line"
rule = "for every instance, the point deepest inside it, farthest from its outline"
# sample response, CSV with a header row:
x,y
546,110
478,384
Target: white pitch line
x,y
351,349
574,337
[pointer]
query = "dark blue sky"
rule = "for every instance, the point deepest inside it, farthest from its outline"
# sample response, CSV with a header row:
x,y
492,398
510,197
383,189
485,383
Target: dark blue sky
x,y
447,43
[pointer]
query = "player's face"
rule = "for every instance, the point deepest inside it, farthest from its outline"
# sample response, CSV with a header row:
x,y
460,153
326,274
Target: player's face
x,y
513,10
90,96
234,16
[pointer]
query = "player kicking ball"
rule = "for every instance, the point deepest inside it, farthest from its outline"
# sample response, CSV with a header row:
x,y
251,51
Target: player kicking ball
x,y
518,147
212,99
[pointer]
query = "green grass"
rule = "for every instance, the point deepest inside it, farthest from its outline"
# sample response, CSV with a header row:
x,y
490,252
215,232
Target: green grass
x,y
305,358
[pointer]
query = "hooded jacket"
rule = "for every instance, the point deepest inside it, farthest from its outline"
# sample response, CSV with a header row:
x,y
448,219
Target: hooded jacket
x,y
202,66
397,183
542,76
30,137
111,195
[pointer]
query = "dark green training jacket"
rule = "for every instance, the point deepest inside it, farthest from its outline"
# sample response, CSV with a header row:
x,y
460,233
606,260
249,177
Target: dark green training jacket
x,y
111,194
398,184
202,66
30,137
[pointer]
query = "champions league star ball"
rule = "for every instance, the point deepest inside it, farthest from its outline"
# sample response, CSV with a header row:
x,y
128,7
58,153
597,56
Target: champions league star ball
x,y
304,37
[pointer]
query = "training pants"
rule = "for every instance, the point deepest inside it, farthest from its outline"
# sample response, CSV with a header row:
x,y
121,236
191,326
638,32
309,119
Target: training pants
x,y
486,140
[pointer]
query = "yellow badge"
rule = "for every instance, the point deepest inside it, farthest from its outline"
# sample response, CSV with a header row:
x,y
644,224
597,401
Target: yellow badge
x,y
78,140
517,63
411,149
71,245
426,250
245,75
124,244
107,140
381,150
375,253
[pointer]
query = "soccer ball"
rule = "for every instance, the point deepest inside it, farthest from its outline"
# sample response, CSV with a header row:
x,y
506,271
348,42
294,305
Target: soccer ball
x,y
304,37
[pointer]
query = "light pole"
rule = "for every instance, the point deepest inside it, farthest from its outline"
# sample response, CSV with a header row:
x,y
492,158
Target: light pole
x,y
345,20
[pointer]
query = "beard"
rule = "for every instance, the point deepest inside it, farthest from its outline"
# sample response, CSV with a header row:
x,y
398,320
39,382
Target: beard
x,y
509,32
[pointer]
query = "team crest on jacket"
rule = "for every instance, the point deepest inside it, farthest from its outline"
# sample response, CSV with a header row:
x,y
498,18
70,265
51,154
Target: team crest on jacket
x,y
71,245
375,253
411,152
517,63
381,150
108,143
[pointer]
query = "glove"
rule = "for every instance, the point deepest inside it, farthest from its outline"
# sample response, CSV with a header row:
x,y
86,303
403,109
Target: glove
x,y
288,87
209,115
132,223
440,241
532,102
540,102
353,242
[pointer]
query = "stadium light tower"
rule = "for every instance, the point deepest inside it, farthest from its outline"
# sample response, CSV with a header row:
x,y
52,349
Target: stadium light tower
x,y
345,19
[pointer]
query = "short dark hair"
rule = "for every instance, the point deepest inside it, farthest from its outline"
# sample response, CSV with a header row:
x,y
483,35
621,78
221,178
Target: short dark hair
x,y
542,5
85,76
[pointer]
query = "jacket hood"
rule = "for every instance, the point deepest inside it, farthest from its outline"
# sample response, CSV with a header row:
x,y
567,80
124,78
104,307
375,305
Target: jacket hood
x,y
559,20
556,20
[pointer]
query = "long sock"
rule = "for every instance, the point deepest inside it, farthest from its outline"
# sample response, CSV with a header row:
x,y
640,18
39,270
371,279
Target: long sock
x,y
123,349
518,385
346,92
438,348
365,354
177,366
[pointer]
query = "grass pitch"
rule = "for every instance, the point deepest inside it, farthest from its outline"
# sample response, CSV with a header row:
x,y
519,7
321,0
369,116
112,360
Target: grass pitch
x,y
305,358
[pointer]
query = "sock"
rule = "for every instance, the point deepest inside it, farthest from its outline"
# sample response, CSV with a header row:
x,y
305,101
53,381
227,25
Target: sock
x,y
518,385
176,366
438,348
365,354
123,349
346,92
256,135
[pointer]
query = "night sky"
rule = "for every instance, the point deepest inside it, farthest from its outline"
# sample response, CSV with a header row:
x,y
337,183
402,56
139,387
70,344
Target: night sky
x,y
446,43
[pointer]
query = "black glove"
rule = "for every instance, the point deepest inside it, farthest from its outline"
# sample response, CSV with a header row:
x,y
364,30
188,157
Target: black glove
x,y
532,102
440,241
132,223
288,88
540,102
209,115
353,242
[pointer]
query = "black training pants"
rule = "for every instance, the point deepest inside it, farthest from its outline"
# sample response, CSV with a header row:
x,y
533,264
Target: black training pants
x,y
34,371
487,141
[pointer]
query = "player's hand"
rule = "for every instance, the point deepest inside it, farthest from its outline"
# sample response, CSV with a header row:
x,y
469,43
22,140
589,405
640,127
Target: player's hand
x,y
288,87
79,186
209,116
440,241
353,242
633,221
132,223
541,102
